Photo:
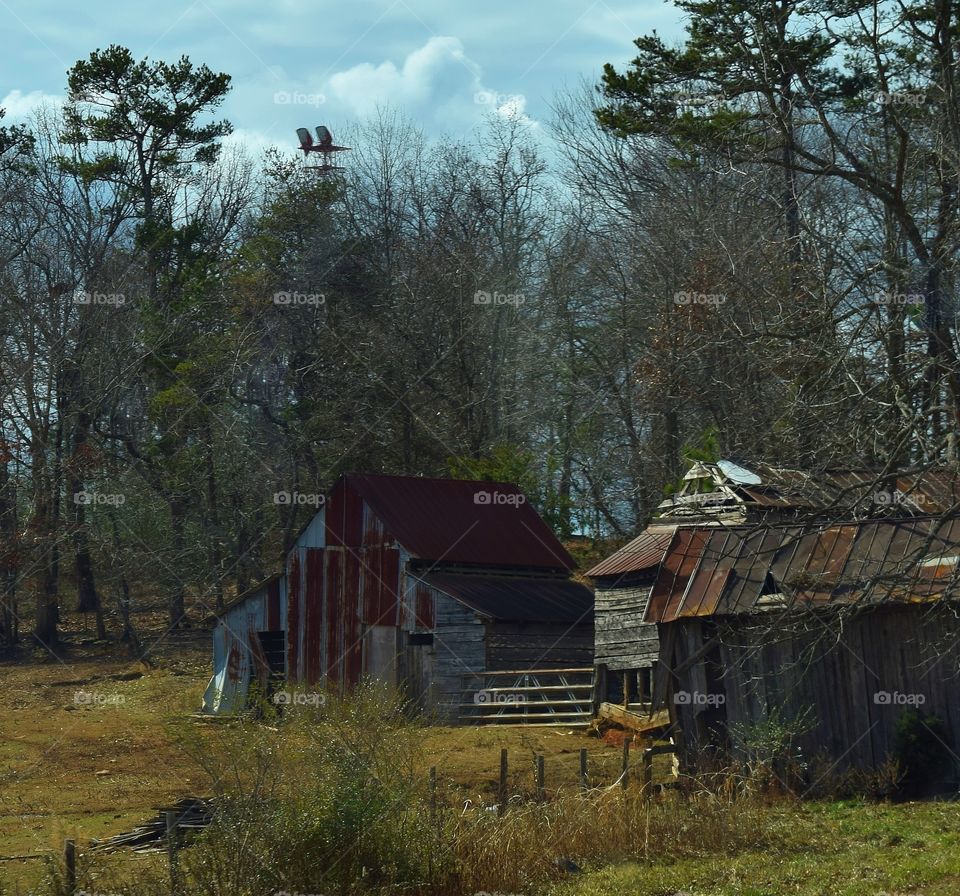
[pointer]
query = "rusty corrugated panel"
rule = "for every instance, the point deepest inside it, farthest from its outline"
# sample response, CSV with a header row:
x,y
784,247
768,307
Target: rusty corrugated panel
x,y
644,552
518,598
350,620
313,616
374,533
424,606
333,627
343,513
380,584
716,574
678,565
448,520
864,563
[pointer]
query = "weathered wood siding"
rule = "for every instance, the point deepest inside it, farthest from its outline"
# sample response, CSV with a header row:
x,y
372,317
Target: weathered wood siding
x,y
538,645
622,639
458,648
839,676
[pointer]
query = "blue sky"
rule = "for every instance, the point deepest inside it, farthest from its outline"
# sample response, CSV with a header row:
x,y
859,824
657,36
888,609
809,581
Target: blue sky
x,y
307,62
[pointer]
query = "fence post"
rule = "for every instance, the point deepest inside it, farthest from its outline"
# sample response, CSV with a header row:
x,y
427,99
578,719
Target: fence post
x,y
70,866
583,770
538,764
172,849
648,772
626,763
502,791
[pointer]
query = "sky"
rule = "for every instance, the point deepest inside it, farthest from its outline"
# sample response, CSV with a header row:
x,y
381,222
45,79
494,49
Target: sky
x,y
445,64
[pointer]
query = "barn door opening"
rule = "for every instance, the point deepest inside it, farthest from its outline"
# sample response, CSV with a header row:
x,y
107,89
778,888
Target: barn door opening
x,y
273,649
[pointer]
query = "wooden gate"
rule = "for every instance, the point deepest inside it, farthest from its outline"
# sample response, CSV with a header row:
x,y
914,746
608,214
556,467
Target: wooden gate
x,y
558,697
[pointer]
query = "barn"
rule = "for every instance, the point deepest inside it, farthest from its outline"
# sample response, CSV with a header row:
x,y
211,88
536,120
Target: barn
x,y
827,632
429,585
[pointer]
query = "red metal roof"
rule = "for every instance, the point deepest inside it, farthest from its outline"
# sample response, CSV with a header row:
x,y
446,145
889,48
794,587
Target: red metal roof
x,y
516,599
742,569
456,521
644,552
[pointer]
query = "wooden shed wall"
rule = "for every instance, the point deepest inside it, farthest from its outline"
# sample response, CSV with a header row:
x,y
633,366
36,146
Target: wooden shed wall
x,y
458,648
832,673
622,639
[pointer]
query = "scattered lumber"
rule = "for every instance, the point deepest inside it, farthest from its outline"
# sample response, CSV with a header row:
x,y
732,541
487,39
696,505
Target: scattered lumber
x,y
193,815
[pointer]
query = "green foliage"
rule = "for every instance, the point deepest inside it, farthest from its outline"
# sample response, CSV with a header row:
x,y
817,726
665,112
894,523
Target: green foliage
x,y
511,463
706,449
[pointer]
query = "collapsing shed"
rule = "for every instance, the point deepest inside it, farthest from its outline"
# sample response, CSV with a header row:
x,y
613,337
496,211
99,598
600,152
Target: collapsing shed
x,y
420,583
831,632
724,494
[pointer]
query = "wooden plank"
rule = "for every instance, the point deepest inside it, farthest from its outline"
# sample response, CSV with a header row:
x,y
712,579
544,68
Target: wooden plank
x,y
632,720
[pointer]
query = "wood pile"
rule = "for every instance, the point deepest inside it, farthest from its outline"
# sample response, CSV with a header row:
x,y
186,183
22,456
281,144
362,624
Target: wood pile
x,y
193,814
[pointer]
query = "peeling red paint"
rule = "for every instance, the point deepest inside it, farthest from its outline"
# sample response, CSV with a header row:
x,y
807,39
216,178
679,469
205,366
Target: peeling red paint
x,y
334,631
424,607
313,616
350,619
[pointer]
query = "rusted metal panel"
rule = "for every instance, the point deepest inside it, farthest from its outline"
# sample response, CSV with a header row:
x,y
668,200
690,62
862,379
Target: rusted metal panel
x,y
344,515
424,612
350,620
333,588
711,571
645,551
313,616
678,565
379,574
374,532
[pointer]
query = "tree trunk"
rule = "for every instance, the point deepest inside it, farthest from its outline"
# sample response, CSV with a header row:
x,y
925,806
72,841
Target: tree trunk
x,y
88,598
9,629
177,600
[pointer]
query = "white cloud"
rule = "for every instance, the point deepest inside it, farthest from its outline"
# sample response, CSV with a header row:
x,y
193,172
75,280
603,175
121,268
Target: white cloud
x,y
20,105
427,72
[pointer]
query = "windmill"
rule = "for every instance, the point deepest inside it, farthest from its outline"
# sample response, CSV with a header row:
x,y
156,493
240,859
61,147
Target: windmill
x,y
324,145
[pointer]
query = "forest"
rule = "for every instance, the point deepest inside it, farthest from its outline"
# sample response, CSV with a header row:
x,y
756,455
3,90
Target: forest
x,y
742,246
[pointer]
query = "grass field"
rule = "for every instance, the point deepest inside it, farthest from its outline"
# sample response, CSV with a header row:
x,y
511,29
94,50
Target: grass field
x,y
90,747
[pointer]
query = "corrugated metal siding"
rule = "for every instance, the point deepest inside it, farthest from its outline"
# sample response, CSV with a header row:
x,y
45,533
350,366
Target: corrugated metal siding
x,y
333,626
344,516
313,616
644,552
350,620
727,571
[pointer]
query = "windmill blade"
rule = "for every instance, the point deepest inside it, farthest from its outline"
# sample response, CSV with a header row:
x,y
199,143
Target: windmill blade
x,y
324,135
306,141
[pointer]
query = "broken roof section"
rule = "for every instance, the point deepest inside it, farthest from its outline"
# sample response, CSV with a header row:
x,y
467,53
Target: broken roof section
x,y
724,570
728,491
